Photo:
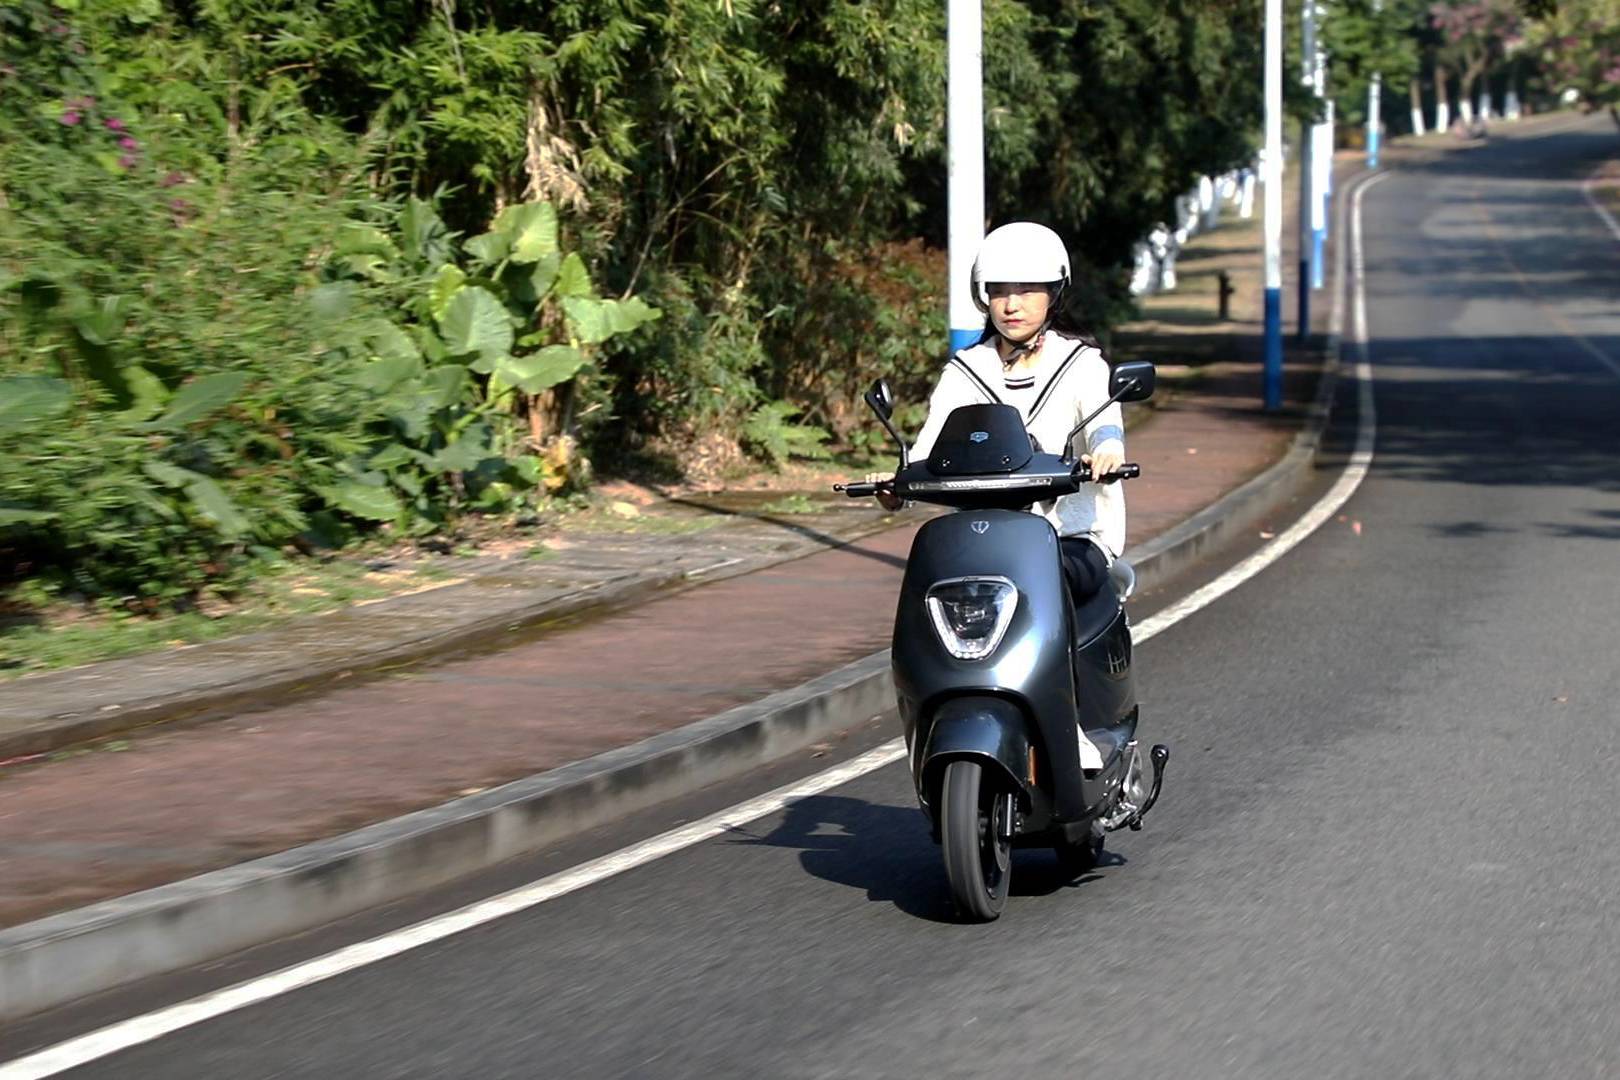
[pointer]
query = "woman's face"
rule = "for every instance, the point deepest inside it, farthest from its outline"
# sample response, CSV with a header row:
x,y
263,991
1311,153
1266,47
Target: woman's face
x,y
1018,308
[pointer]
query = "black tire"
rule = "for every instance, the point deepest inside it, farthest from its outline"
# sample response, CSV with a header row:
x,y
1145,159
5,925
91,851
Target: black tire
x,y
1080,858
978,860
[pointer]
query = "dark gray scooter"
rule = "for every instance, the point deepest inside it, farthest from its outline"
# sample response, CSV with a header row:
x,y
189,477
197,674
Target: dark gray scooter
x,y
996,669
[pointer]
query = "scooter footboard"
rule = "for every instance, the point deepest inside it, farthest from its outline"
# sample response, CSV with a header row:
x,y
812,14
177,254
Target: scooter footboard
x,y
988,729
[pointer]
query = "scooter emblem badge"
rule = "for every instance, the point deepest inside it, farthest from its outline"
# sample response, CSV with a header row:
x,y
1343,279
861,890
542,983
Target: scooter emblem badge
x,y
981,527
979,436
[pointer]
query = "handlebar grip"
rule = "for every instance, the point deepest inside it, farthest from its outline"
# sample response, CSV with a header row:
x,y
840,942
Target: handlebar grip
x,y
1128,471
858,491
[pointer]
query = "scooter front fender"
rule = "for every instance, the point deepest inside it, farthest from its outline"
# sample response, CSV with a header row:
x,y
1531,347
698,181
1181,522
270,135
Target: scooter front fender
x,y
988,729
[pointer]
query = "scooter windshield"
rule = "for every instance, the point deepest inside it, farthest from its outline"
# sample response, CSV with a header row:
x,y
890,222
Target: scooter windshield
x,y
980,439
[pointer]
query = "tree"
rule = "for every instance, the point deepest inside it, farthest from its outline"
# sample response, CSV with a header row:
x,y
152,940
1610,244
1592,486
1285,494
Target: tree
x,y
1474,34
1579,40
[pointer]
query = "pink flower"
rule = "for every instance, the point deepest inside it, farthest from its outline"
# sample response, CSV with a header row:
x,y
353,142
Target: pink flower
x,y
172,179
129,144
115,124
70,118
127,161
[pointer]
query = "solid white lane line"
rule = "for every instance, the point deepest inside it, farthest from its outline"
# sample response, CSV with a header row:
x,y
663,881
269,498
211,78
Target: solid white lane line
x,y
154,1025
1602,211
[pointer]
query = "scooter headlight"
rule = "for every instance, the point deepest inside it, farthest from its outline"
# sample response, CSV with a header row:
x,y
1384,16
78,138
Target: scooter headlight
x,y
972,614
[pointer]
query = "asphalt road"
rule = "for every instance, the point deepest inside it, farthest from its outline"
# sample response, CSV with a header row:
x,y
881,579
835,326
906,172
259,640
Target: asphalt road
x,y
1386,845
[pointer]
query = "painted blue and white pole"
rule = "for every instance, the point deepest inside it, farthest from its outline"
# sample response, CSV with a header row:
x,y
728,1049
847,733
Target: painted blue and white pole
x,y
1307,173
964,31
1271,177
1321,161
1374,127
1375,103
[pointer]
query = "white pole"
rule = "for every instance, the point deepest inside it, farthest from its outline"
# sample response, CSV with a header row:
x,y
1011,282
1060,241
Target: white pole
x,y
1272,179
1307,173
1322,163
1374,103
964,24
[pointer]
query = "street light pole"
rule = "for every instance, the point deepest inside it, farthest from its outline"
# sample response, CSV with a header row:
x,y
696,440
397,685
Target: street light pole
x,y
1375,91
1272,178
1322,164
964,33
1307,172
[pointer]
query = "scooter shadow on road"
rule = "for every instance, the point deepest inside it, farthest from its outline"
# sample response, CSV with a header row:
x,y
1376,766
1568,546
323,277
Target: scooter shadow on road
x,y
885,850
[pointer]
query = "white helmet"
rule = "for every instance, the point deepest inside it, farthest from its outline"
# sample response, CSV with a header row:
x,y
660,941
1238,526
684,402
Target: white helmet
x,y
1020,251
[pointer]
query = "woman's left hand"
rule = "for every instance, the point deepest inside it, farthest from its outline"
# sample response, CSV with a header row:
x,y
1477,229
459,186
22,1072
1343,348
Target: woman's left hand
x,y
1102,464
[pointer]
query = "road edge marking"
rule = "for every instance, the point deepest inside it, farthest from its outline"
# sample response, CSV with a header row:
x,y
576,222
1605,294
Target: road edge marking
x,y
1602,211
137,1030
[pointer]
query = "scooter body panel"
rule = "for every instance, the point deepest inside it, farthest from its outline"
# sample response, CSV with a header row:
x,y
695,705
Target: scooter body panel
x,y
1034,669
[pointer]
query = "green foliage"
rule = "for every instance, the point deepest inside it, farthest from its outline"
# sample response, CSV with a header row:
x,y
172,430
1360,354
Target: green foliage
x,y
213,344
770,434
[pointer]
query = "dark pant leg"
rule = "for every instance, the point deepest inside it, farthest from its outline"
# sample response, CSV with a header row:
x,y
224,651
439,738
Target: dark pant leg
x,y
1085,566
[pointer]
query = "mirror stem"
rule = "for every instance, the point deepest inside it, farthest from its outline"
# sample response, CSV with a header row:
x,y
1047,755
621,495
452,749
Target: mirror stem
x,y
1068,444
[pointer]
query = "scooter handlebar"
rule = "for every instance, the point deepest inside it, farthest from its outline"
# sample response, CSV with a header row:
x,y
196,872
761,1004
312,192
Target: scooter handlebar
x,y
865,489
1128,471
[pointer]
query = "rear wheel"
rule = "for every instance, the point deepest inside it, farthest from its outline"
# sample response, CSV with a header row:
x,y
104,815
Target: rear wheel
x,y
976,837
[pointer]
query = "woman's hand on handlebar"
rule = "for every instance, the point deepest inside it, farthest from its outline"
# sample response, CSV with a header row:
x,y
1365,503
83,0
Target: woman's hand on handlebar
x,y
886,499
1102,464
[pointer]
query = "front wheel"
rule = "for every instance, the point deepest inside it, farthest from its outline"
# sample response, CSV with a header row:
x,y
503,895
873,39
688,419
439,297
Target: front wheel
x,y
976,836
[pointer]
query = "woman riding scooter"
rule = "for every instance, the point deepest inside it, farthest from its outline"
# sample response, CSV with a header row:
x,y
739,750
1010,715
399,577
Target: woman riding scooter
x,y
1032,356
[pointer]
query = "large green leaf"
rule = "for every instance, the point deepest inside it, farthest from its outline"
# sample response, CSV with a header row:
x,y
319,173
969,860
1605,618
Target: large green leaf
x,y
169,475
595,321
466,452
391,343
210,499
527,285
26,400
381,376
147,390
364,501
102,323
531,229
16,515
541,370
444,386
200,397
357,238
572,277
446,284
476,322
426,237
490,248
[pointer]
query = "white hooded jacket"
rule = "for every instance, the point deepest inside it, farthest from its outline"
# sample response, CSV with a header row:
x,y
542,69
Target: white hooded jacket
x,y
1069,381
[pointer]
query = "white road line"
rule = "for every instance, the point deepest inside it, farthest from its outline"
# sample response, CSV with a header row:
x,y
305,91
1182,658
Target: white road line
x,y
154,1025
1602,211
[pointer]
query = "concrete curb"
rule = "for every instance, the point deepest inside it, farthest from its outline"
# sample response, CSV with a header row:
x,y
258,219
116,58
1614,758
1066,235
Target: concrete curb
x,y
63,957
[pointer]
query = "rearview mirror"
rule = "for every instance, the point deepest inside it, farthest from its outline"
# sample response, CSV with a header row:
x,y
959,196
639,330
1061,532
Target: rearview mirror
x,y
1141,373
881,399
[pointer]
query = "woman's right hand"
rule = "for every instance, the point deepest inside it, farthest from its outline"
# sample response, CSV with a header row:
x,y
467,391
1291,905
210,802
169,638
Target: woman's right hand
x,y
888,500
